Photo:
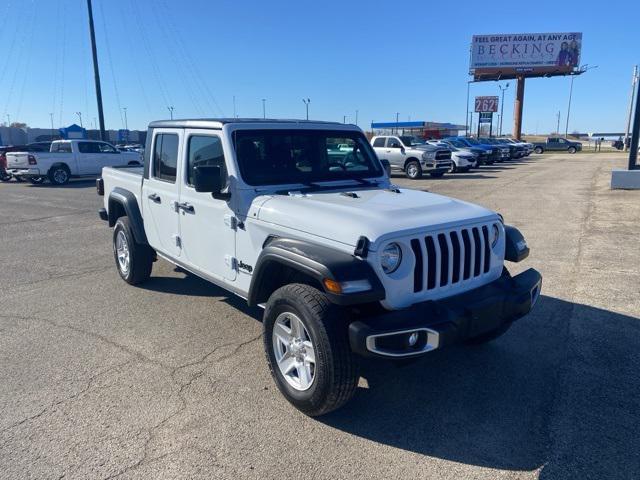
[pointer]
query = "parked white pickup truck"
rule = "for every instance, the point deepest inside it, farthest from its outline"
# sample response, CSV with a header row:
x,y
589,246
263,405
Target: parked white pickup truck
x,y
412,155
345,264
69,158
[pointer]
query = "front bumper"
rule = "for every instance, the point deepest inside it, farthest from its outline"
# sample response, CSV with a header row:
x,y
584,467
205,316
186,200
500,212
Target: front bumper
x,y
24,172
432,325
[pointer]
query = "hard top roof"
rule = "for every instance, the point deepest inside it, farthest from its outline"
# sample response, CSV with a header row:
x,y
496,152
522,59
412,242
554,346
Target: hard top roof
x,y
218,122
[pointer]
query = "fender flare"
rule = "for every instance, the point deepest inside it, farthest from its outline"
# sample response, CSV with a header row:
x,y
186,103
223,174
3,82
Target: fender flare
x,y
319,262
516,248
59,164
128,201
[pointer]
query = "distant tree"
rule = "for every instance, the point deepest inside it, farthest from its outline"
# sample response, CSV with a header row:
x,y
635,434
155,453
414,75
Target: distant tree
x,y
18,125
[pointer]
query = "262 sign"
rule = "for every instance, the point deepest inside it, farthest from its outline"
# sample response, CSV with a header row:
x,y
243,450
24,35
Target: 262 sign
x,y
486,104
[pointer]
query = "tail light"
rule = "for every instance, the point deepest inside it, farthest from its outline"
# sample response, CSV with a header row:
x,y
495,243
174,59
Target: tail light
x,y
3,160
32,160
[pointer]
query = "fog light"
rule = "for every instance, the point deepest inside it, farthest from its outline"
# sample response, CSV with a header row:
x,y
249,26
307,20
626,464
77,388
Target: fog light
x,y
413,339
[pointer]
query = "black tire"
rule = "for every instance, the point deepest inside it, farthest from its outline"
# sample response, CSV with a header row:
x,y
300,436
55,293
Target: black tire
x,y
436,174
336,369
140,257
453,168
36,180
538,150
572,150
19,179
413,170
59,175
4,176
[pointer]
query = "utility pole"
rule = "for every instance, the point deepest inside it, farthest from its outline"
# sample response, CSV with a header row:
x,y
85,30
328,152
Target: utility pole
x,y
634,82
344,119
9,126
517,107
170,112
502,107
52,130
306,104
96,71
397,116
558,127
8,120
264,108
234,107
126,123
79,114
356,118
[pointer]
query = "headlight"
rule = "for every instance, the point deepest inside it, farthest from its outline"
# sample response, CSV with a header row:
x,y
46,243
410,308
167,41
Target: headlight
x,y
428,155
390,258
494,235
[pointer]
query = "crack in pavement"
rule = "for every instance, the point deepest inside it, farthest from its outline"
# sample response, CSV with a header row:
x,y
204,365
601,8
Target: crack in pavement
x,y
39,219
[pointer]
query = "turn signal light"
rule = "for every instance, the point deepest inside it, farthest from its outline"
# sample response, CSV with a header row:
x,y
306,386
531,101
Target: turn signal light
x,y
32,160
332,286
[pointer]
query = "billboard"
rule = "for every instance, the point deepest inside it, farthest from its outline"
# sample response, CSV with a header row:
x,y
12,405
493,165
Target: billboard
x,y
528,54
486,104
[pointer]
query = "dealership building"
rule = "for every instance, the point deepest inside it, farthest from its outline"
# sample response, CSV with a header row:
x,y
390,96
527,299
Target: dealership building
x,y
419,129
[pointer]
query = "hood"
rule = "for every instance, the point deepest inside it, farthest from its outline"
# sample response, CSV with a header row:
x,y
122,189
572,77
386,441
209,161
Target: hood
x,y
374,213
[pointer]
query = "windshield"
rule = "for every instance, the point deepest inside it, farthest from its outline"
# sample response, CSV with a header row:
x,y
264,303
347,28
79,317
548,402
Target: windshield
x,y
473,141
410,141
457,143
277,157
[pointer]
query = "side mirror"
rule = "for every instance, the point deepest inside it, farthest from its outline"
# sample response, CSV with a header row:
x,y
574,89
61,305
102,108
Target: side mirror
x,y
401,149
208,179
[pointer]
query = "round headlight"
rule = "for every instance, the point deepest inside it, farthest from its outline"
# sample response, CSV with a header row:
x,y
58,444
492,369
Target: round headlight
x,y
390,258
495,234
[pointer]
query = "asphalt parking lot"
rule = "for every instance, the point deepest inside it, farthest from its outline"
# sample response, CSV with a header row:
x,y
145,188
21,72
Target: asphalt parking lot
x,y
99,379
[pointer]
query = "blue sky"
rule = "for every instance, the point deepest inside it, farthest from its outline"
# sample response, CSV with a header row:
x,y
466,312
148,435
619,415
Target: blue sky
x,y
378,58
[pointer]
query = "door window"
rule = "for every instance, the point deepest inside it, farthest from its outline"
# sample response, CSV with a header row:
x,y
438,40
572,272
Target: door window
x,y
64,147
393,143
165,157
379,142
204,150
88,147
106,148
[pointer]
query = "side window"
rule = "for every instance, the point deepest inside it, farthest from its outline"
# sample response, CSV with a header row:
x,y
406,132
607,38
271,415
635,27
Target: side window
x,y
562,140
106,148
379,142
553,140
88,147
203,150
393,143
63,147
165,157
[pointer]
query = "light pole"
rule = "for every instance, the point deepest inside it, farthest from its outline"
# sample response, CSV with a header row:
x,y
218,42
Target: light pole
x,y
580,71
634,82
8,120
397,117
234,107
52,134
467,123
126,123
9,125
356,118
344,119
306,104
170,112
558,127
264,108
502,107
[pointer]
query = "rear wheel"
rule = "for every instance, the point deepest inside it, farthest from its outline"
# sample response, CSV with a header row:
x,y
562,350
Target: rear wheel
x,y
413,170
307,348
133,260
4,176
59,175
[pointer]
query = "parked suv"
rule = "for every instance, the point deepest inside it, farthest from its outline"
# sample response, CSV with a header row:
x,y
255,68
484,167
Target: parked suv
x,y
346,265
412,156
492,154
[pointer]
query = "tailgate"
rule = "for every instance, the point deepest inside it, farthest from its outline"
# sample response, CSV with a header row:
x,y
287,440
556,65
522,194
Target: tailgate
x,y
17,160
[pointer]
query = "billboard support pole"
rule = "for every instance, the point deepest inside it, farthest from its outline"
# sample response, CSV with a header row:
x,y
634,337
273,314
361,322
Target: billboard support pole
x,y
635,133
634,81
518,104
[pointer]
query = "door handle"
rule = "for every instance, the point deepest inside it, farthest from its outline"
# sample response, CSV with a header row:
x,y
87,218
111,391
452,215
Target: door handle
x,y
186,207
155,198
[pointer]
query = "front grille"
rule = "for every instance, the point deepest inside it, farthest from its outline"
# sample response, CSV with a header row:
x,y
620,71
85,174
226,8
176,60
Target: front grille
x,y
443,155
448,258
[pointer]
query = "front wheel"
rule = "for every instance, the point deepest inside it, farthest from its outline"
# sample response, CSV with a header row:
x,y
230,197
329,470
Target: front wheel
x,y
307,348
538,150
436,174
413,170
572,150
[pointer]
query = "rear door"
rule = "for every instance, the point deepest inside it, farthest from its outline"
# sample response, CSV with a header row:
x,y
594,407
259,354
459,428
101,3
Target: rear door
x,y
394,152
88,156
207,224
161,190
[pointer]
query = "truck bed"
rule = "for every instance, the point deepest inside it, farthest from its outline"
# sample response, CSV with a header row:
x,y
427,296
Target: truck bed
x,y
127,178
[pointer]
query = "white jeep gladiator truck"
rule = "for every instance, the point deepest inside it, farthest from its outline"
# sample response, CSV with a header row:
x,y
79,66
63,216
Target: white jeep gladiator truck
x,y
69,158
412,155
345,264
